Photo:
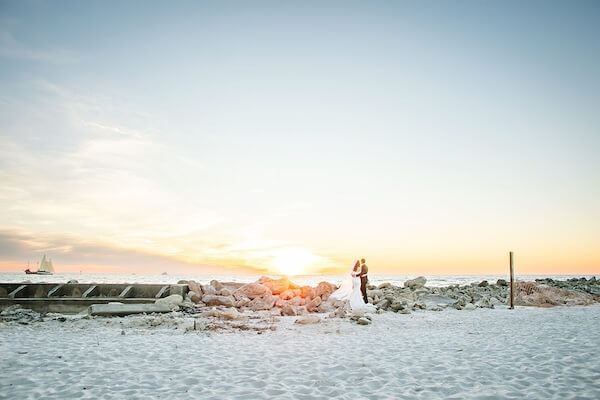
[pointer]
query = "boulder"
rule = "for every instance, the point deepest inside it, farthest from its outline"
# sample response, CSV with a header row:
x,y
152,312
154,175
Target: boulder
x,y
277,286
287,294
397,305
225,292
383,304
298,301
216,284
363,321
436,300
310,319
324,289
384,285
251,291
324,307
229,314
483,284
289,309
195,287
312,305
415,283
195,297
265,302
501,282
215,300
208,289
172,301
241,301
307,292
469,307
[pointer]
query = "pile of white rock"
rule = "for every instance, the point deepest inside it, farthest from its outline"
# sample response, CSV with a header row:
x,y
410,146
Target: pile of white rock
x,y
414,295
280,296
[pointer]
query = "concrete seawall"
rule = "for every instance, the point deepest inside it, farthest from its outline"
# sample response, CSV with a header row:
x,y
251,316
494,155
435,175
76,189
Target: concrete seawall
x,y
76,297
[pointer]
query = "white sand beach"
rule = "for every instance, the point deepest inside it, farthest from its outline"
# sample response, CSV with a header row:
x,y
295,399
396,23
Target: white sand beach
x,y
481,354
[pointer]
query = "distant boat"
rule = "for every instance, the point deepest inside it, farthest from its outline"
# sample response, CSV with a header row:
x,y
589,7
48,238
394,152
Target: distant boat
x,y
46,268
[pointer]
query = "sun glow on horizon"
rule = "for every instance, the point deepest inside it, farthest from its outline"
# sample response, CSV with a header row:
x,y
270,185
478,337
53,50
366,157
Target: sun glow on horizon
x,y
292,261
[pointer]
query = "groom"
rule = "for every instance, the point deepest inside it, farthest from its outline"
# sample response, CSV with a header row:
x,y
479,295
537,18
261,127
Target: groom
x,y
364,279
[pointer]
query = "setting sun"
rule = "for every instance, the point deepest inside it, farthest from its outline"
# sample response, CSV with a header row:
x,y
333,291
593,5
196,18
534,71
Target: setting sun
x,y
292,261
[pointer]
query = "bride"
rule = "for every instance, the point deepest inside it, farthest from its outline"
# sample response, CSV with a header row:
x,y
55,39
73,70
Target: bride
x,y
349,291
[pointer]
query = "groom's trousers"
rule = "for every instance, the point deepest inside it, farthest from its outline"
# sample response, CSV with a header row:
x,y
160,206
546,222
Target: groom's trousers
x,y
363,288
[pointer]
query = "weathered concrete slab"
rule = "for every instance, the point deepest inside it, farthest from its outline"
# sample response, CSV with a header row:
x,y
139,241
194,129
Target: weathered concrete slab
x,y
108,310
17,291
55,291
91,291
127,292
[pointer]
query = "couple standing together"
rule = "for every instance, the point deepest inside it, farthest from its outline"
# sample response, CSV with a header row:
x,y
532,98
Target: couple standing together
x,y
354,288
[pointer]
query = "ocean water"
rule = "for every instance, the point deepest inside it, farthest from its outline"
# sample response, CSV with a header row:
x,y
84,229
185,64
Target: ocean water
x,y
312,280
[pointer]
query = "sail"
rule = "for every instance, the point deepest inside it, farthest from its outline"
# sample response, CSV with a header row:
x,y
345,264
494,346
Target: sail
x,y
51,266
45,265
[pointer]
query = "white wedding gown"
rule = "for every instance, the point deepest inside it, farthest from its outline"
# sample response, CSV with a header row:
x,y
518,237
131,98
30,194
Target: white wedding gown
x,y
349,291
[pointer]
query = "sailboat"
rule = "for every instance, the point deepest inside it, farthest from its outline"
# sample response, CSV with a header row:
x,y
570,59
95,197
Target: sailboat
x,y
46,267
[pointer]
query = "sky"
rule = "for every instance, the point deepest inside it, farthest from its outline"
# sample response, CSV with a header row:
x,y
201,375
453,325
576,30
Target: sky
x,y
429,137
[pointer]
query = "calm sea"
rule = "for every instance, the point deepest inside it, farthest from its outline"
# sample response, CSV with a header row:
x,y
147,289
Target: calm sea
x,y
312,280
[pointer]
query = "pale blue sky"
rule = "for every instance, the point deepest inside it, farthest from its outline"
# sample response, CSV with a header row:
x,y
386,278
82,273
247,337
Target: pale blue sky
x,y
429,136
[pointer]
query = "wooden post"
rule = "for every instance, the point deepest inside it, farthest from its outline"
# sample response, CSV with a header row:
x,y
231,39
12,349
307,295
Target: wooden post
x,y
512,282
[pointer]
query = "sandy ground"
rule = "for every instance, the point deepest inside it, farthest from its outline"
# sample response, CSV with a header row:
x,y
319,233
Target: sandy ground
x,y
481,354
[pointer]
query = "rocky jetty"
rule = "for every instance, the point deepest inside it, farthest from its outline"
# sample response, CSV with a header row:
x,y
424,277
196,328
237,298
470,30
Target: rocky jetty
x,y
260,305
281,297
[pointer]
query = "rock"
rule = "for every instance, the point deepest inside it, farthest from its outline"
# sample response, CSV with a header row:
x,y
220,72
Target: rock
x,y
483,284
230,314
383,304
289,309
224,292
325,306
216,284
370,286
182,282
405,311
384,285
287,294
241,301
375,293
195,287
215,300
72,281
436,300
307,292
310,319
469,307
416,283
265,302
312,305
340,313
324,289
195,297
251,291
298,301
357,313
501,282
396,305
173,301
277,286
208,289
363,321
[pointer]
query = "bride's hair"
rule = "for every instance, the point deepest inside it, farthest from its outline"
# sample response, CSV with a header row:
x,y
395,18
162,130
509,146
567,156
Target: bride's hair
x,y
356,265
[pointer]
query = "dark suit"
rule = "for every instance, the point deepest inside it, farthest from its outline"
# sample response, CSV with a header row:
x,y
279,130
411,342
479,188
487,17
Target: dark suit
x,y
364,270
